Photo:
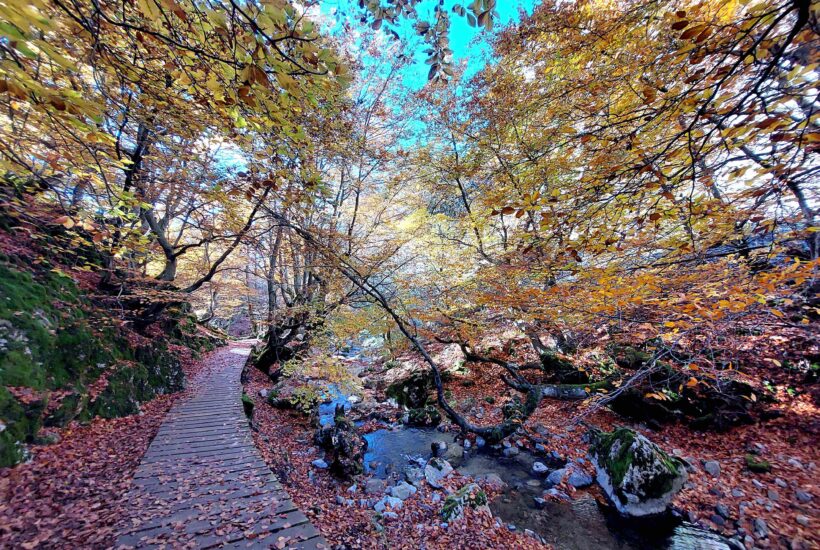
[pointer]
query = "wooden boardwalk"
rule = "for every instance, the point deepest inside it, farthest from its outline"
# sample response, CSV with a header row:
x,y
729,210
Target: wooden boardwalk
x,y
202,482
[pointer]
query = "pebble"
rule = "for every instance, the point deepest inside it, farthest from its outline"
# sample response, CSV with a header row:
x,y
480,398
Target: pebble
x,y
480,442
802,520
436,498
802,496
539,502
738,493
510,451
467,444
712,468
319,463
758,484
780,483
353,488
390,515
773,495
717,520
340,499
374,486
722,511
539,468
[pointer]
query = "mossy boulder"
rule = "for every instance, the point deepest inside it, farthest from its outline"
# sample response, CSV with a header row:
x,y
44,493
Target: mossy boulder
x,y
638,476
344,445
469,496
297,393
424,416
55,345
413,391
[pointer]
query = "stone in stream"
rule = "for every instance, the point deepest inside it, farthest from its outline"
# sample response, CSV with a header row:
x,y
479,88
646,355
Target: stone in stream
x,y
638,476
539,468
345,445
436,470
438,448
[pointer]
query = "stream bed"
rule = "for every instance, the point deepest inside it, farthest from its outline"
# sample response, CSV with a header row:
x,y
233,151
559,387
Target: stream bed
x,y
580,524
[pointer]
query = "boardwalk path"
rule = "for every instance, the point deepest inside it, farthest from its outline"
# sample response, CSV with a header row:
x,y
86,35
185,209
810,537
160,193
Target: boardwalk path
x,y
202,482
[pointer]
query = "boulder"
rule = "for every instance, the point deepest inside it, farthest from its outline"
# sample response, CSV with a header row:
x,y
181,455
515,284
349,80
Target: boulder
x,y
471,495
638,476
344,445
436,470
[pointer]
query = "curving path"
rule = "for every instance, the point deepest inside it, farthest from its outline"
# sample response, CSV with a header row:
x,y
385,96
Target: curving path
x,y
202,482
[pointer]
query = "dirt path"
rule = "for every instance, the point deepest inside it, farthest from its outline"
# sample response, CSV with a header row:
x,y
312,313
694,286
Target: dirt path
x,y
202,482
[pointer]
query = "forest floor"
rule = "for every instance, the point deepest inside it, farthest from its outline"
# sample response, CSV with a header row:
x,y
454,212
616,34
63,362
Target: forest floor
x,y
775,509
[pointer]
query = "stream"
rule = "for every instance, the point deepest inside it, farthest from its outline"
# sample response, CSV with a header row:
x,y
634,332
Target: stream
x,y
580,524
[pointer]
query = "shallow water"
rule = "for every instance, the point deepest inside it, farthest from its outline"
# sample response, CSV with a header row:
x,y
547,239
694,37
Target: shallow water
x,y
580,524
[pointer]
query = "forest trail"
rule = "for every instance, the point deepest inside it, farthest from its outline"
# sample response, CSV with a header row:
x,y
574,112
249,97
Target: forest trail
x,y
202,482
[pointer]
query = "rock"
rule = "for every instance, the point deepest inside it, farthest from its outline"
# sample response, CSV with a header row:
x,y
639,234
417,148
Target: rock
x,y
403,490
345,445
263,393
773,495
539,468
780,483
390,515
738,493
438,448
374,486
353,488
556,477
579,479
436,470
510,452
296,392
722,510
386,502
480,442
638,477
467,444
802,520
491,481
712,468
717,520
436,498
758,484
471,495
540,503
533,483
414,475
802,496
340,499
795,463
760,528
319,463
